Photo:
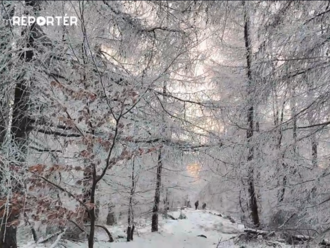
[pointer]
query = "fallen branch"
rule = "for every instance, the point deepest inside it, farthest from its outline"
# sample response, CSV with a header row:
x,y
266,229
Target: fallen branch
x,y
34,233
219,215
171,217
231,219
58,239
258,232
325,243
225,217
288,238
296,239
79,227
42,241
106,230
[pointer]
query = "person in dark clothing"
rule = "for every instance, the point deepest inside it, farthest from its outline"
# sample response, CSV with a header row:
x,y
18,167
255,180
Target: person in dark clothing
x,y
204,205
196,205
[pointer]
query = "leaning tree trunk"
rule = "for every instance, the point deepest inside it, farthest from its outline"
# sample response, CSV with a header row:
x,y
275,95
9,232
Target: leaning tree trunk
x,y
251,185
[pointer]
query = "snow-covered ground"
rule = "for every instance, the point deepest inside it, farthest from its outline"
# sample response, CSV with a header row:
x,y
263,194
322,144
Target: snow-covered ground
x,y
181,233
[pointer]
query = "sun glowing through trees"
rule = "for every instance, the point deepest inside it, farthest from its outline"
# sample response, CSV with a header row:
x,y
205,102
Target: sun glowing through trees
x,y
194,170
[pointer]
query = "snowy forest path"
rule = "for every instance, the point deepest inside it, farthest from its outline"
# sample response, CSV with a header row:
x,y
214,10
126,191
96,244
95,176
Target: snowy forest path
x,y
184,233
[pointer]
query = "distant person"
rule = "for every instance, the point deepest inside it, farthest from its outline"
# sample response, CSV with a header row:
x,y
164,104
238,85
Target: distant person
x,y
188,204
196,205
204,206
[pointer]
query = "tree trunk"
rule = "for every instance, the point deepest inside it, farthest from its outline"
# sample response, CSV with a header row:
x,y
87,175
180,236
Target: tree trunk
x,y
9,233
293,110
91,212
314,151
5,43
311,119
97,209
132,232
166,204
155,210
19,136
281,192
294,120
250,113
19,132
130,220
128,234
111,216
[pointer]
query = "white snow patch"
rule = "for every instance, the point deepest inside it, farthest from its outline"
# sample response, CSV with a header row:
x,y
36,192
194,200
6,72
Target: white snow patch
x,y
173,233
